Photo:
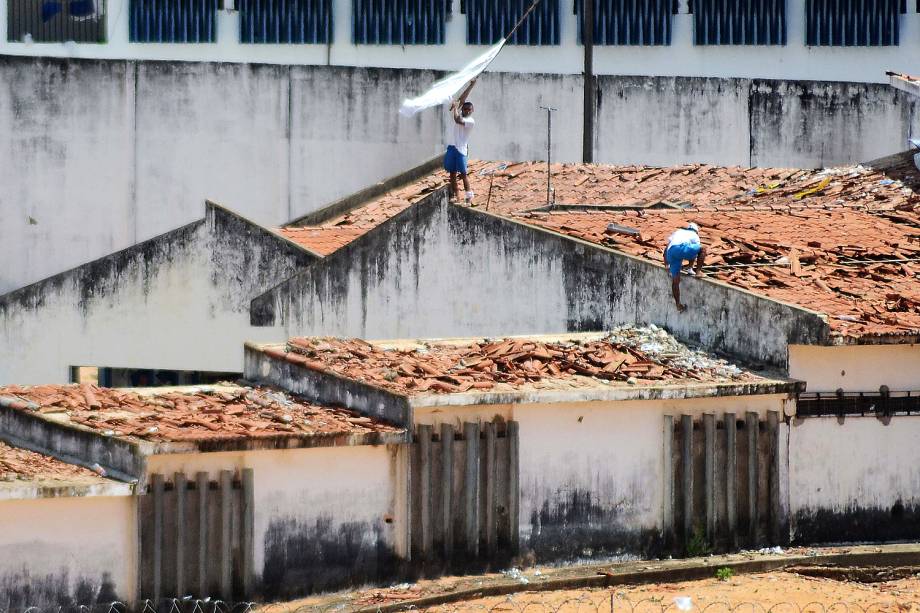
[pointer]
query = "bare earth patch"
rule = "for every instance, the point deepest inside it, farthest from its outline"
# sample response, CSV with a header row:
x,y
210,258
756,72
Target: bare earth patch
x,y
783,592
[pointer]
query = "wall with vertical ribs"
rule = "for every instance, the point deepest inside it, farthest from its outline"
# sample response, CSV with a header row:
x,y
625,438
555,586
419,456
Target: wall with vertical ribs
x,y
593,475
325,518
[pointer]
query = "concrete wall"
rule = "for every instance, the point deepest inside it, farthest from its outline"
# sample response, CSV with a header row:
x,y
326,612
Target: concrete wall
x,y
438,270
324,517
591,473
856,368
179,302
66,551
855,479
682,58
138,145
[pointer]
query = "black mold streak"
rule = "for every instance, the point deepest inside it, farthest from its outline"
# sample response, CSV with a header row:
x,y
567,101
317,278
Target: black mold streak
x,y
855,524
576,526
58,590
320,555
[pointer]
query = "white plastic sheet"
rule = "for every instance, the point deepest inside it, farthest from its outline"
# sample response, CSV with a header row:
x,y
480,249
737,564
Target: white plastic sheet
x,y
448,87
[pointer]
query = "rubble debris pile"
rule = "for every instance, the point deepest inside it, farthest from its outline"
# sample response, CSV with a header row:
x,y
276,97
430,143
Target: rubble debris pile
x,y
634,356
861,270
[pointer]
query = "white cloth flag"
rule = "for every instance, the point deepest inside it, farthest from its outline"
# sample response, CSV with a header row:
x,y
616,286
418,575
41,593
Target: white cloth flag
x,y
448,87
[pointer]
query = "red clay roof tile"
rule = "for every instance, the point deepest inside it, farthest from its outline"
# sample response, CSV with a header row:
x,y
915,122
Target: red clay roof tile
x,y
17,464
224,412
458,366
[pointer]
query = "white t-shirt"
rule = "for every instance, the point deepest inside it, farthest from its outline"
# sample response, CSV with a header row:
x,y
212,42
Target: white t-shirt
x,y
684,238
460,134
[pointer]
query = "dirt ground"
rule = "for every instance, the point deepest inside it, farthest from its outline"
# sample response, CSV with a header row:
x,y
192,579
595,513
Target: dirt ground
x,y
807,584
783,592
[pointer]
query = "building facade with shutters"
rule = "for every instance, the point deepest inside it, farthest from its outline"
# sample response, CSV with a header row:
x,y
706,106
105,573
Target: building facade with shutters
x,y
853,40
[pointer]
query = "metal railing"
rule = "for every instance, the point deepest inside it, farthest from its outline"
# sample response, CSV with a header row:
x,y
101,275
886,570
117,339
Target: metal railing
x,y
839,403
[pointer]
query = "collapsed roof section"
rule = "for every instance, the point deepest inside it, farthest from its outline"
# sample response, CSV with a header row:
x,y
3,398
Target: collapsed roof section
x,y
112,431
199,414
843,242
627,363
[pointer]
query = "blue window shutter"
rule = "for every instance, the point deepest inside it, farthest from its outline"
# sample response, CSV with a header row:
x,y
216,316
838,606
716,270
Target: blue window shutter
x,y
286,21
852,23
173,21
399,22
487,21
630,22
739,22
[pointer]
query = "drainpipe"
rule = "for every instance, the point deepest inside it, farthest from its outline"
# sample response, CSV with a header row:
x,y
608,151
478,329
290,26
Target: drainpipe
x,y
587,146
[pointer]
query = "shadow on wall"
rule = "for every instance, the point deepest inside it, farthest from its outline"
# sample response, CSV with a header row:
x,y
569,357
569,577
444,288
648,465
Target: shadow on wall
x,y
305,557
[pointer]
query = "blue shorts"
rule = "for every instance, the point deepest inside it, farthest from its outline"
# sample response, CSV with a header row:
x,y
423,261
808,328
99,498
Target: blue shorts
x,y
677,254
454,161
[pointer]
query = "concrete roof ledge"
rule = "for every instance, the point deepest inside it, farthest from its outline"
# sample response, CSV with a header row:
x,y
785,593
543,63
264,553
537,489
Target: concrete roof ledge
x,y
268,363
64,489
274,364
679,391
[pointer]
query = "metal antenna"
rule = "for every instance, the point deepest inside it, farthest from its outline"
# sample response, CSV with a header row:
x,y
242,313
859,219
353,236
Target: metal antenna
x,y
549,146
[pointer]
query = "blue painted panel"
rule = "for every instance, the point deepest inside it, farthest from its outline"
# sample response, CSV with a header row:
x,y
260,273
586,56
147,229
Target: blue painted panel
x,y
399,22
739,22
487,21
852,23
173,21
630,22
285,21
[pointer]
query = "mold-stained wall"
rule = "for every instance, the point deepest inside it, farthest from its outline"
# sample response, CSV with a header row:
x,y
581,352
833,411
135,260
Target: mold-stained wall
x,y
856,368
438,270
854,479
66,164
67,551
591,473
325,517
179,301
102,154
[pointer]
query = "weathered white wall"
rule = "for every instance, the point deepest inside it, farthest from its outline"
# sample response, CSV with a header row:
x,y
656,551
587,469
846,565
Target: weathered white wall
x,y
80,548
67,166
345,134
672,121
855,478
682,58
313,509
217,131
860,368
139,144
439,270
180,302
595,467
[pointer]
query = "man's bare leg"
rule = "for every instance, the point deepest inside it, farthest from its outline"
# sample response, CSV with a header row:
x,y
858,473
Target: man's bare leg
x,y
700,260
453,186
466,187
675,291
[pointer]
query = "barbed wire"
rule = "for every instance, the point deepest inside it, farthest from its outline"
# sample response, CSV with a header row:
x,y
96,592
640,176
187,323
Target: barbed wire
x,y
596,601
609,602
163,605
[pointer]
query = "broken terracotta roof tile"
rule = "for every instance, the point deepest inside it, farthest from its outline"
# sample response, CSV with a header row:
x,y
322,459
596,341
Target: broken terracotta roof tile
x,y
222,412
816,212
17,464
454,366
